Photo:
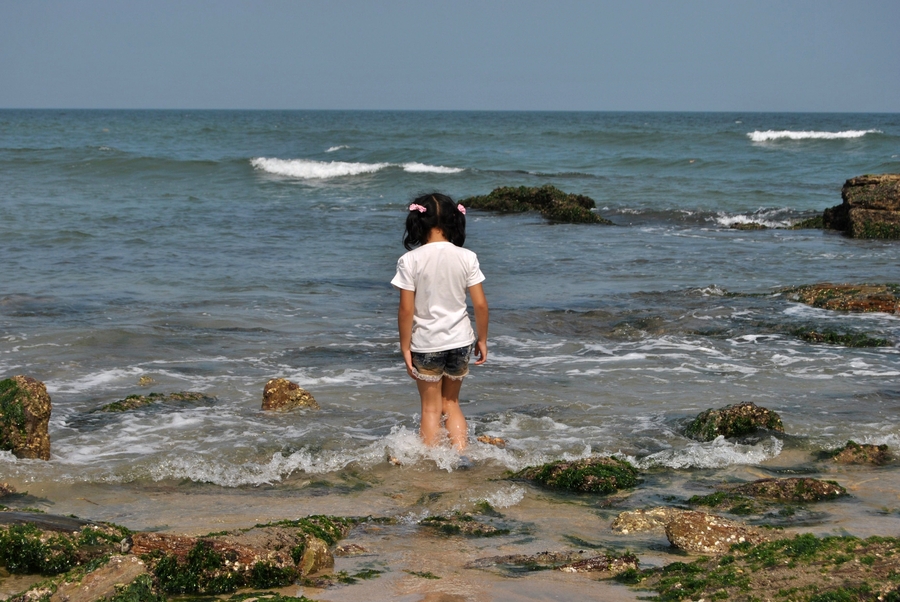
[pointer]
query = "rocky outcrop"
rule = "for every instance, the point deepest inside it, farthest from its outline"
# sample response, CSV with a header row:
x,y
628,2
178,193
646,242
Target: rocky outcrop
x,y
862,453
133,402
24,417
736,420
871,207
589,475
554,204
848,297
282,395
796,490
704,533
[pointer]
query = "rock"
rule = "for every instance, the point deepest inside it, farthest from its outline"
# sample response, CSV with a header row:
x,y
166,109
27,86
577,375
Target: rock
x,y
870,208
553,203
533,562
146,381
748,226
794,489
463,524
133,402
349,550
495,441
589,475
117,575
862,453
704,533
735,420
848,297
51,545
607,565
7,489
282,395
316,557
651,519
24,416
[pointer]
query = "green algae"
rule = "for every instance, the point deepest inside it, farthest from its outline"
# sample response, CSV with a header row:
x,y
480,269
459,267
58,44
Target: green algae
x,y
844,339
26,549
462,524
736,420
589,475
12,411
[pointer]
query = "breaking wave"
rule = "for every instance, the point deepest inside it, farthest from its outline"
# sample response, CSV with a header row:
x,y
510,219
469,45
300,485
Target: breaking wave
x,y
305,169
770,135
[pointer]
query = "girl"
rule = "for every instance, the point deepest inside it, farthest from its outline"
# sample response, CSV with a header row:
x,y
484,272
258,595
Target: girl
x,y
436,336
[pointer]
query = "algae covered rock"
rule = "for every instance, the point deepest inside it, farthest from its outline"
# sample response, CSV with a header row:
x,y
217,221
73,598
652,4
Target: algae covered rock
x,y
589,475
463,524
733,421
282,395
709,534
24,416
553,203
861,453
794,489
848,297
870,207
132,402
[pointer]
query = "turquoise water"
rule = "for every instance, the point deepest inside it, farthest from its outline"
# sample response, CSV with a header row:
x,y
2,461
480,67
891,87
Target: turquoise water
x,y
213,250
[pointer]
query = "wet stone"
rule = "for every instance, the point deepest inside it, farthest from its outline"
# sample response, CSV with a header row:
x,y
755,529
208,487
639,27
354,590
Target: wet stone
x,y
599,474
704,533
736,420
647,520
282,395
24,417
795,489
862,453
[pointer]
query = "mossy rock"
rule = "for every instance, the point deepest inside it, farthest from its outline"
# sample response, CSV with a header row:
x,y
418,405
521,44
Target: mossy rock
x,y
28,549
794,489
736,420
133,402
812,223
844,339
463,524
861,453
848,297
589,475
554,204
726,501
25,409
749,226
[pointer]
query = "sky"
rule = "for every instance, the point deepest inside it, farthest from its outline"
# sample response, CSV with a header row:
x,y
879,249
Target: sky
x,y
628,55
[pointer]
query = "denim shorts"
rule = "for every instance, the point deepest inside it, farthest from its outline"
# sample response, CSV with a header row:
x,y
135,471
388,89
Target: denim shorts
x,y
433,366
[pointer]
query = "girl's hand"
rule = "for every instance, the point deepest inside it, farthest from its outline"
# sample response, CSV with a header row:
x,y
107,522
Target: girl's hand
x,y
407,358
480,352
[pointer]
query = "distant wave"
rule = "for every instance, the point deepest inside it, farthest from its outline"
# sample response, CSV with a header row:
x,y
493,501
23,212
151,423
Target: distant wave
x,y
769,135
308,170
336,148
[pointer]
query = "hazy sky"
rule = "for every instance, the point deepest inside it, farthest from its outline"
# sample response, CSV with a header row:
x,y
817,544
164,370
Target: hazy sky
x,y
673,55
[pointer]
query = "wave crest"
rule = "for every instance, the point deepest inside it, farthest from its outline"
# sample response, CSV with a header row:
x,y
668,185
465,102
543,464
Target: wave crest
x,y
306,169
770,135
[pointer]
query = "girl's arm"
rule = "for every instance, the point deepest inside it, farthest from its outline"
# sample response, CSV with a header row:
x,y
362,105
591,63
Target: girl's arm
x,y
404,325
480,305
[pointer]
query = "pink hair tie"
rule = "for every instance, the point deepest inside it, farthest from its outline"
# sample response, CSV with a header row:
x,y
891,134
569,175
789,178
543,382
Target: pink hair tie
x,y
461,209
419,208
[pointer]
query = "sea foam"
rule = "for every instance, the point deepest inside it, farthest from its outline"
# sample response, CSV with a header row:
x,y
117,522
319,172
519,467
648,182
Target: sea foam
x,y
770,135
306,169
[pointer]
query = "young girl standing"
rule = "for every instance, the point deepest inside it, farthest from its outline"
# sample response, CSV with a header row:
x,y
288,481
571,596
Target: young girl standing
x,y
436,336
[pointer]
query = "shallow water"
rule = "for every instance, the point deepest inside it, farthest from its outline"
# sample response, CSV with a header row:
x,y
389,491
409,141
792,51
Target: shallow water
x,y
211,251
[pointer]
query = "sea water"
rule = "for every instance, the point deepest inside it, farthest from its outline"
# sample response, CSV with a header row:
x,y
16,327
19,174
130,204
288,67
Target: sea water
x,y
211,251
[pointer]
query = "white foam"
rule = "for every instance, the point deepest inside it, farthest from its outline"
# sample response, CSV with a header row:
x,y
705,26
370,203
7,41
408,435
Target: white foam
x,y
769,135
503,498
337,148
306,169
311,170
714,454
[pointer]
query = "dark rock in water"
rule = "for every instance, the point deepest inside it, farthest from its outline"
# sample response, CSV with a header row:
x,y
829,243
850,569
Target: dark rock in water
x,y
862,453
604,566
588,475
24,415
735,420
553,203
6,489
749,226
282,395
848,297
463,524
870,208
528,562
709,534
795,489
138,401
845,339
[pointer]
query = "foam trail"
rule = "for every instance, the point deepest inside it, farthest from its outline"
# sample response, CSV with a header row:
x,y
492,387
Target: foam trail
x,y
423,168
308,170
769,135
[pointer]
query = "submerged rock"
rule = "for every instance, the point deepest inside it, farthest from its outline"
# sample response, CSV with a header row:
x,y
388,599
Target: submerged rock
x,y
794,489
870,207
6,489
282,395
527,562
463,524
133,402
848,297
589,475
735,420
553,203
709,534
862,453
603,566
24,415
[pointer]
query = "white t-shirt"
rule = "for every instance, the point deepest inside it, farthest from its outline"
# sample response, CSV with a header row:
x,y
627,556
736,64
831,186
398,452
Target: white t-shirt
x,y
440,273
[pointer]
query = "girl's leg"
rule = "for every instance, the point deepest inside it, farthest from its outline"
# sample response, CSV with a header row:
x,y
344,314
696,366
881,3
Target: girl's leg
x,y
430,429
455,421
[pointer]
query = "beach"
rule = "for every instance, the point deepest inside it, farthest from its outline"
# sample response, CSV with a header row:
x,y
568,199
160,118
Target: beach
x,y
210,251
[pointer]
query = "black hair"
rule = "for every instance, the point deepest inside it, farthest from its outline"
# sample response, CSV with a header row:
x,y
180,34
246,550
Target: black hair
x,y
440,212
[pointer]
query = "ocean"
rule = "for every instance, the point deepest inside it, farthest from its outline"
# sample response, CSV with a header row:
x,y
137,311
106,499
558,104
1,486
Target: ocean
x,y
210,251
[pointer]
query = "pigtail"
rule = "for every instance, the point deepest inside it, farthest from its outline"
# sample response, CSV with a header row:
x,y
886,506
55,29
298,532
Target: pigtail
x,y
434,210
